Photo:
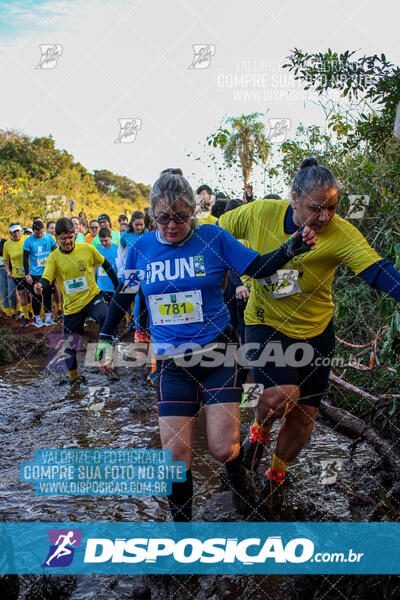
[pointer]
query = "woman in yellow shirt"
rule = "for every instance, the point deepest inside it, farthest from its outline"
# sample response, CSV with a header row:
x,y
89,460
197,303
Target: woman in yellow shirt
x,y
289,314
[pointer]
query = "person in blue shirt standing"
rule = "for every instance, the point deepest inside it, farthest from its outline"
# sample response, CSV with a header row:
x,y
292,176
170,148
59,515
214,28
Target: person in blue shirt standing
x,y
37,248
136,229
181,268
109,251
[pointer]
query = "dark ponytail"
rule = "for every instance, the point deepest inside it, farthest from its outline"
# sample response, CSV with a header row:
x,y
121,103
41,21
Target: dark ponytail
x,y
172,171
312,175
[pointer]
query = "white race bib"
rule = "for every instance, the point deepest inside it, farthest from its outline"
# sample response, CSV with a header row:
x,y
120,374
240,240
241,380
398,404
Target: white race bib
x,y
75,285
101,272
21,271
179,308
41,262
281,284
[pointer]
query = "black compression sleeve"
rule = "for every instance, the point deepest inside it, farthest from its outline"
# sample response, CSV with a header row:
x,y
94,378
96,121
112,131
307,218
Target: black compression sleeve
x,y
45,283
119,306
111,273
265,265
235,279
26,262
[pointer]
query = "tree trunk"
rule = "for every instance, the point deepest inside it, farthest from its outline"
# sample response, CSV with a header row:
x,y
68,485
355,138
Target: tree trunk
x,y
355,427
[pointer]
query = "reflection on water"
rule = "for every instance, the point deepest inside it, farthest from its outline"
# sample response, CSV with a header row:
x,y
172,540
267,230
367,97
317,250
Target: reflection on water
x,y
37,411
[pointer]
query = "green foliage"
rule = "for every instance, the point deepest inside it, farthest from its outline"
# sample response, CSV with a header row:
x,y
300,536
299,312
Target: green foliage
x,y
365,157
390,354
32,169
110,183
371,80
245,144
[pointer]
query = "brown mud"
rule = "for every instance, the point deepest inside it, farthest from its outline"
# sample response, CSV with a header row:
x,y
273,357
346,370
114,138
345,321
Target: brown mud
x,y
41,410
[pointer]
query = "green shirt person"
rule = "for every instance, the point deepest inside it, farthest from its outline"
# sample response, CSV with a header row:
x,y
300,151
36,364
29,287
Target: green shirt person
x,y
104,221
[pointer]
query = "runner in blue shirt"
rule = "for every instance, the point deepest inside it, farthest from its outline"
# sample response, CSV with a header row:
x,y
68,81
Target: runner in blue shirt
x,y
37,248
136,229
109,251
181,269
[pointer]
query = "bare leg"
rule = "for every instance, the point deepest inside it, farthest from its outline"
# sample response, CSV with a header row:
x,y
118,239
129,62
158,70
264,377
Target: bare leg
x,y
295,432
223,430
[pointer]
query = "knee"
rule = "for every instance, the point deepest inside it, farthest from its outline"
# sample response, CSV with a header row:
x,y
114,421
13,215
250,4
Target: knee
x,y
180,452
279,399
225,451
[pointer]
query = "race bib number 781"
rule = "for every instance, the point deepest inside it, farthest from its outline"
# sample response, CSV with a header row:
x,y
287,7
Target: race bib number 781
x,y
178,308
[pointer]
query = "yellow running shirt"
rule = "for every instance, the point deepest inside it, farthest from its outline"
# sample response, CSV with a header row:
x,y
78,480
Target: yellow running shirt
x,y
297,300
14,252
75,275
209,220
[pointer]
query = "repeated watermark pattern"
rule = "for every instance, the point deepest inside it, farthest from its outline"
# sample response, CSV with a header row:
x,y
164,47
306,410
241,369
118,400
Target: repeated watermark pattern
x,y
279,129
203,53
252,394
261,80
217,354
50,53
331,468
128,129
358,204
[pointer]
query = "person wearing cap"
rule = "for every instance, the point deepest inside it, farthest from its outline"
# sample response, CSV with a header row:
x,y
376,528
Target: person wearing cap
x,y
28,231
93,231
123,223
37,248
79,237
7,287
104,221
13,254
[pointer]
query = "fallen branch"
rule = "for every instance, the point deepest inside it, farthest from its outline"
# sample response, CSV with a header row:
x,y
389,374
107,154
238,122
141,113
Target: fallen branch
x,y
355,427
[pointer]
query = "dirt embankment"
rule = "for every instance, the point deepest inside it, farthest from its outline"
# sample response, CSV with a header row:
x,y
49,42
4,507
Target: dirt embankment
x,y
22,343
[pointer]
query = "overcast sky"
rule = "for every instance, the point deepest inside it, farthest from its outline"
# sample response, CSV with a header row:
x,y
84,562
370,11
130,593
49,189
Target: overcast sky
x,y
131,60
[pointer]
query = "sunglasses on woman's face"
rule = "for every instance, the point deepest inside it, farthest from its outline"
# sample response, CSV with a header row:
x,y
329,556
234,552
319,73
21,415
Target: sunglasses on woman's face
x,y
178,218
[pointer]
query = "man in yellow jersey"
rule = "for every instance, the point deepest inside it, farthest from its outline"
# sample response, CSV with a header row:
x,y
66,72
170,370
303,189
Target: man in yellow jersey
x,y
72,265
13,255
289,314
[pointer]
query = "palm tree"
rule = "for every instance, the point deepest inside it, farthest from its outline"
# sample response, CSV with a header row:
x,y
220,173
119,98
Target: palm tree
x,y
247,142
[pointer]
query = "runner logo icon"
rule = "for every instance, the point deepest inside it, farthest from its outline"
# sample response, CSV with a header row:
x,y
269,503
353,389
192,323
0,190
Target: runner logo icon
x,y
63,543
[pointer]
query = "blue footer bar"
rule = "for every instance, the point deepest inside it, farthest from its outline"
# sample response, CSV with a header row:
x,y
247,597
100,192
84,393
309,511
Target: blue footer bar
x,y
195,548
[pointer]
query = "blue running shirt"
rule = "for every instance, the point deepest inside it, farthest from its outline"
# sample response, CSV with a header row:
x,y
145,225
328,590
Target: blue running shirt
x,y
103,281
183,284
128,238
39,250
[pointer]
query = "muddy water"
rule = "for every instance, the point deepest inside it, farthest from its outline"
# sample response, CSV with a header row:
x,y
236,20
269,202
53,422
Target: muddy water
x,y
39,411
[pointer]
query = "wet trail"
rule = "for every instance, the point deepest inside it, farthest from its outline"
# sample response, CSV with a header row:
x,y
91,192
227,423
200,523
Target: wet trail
x,y
39,412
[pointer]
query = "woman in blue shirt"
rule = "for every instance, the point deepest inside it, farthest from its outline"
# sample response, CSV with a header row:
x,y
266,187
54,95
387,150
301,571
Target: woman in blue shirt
x,y
136,229
180,269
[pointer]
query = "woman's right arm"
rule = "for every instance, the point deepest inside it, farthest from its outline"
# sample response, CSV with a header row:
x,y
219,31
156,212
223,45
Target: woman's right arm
x,y
119,306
